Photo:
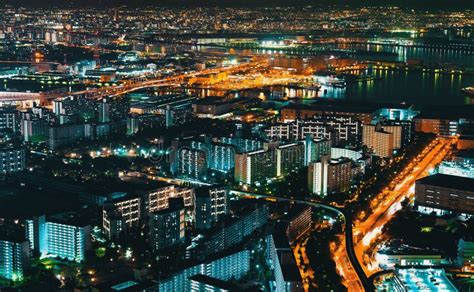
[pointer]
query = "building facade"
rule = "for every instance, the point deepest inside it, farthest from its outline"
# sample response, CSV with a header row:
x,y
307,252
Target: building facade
x,y
64,240
289,158
14,257
255,166
318,176
167,225
445,194
9,119
382,140
234,265
339,175
212,205
12,158
119,214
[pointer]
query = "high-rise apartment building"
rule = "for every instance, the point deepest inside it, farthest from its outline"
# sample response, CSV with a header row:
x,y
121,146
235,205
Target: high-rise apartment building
x,y
192,163
328,176
339,175
9,119
255,166
223,267
212,204
12,158
58,237
14,256
157,199
318,176
289,157
315,149
338,129
167,225
383,140
120,213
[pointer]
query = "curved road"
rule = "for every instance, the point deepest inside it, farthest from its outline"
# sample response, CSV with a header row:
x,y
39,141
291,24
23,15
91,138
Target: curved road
x,y
366,283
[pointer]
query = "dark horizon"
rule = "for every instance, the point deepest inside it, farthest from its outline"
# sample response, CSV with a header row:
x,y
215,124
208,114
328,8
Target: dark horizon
x,y
436,4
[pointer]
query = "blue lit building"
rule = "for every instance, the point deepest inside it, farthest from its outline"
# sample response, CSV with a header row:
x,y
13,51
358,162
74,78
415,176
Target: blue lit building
x,y
457,169
192,163
230,232
14,255
58,238
223,267
460,165
241,144
315,149
280,258
221,156
406,113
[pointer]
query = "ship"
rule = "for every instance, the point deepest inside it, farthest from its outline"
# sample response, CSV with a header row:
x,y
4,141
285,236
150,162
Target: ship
x,y
469,91
359,78
330,81
312,86
364,78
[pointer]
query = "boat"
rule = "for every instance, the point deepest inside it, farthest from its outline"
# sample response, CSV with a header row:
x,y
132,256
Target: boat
x,y
330,81
469,91
359,78
311,86
336,84
364,78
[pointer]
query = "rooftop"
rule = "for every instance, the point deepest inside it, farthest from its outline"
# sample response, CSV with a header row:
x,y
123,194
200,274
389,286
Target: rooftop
x,y
447,112
174,204
214,282
203,192
70,218
448,181
425,280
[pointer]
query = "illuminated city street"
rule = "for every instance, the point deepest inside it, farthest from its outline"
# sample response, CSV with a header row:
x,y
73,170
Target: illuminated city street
x,y
236,145
366,231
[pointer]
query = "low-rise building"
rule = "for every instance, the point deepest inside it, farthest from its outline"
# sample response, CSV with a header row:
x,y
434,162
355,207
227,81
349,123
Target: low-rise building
x,y
445,194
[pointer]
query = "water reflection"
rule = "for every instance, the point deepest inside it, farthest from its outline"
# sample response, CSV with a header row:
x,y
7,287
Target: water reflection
x,y
411,86
428,55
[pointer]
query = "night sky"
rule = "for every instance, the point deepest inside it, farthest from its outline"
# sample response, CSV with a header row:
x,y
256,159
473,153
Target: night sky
x,y
425,4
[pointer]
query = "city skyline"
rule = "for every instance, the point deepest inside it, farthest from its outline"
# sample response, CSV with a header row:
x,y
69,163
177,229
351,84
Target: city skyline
x,y
236,146
437,4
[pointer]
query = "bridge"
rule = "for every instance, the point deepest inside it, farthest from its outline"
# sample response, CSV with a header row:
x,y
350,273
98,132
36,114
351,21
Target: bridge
x,y
26,99
134,85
